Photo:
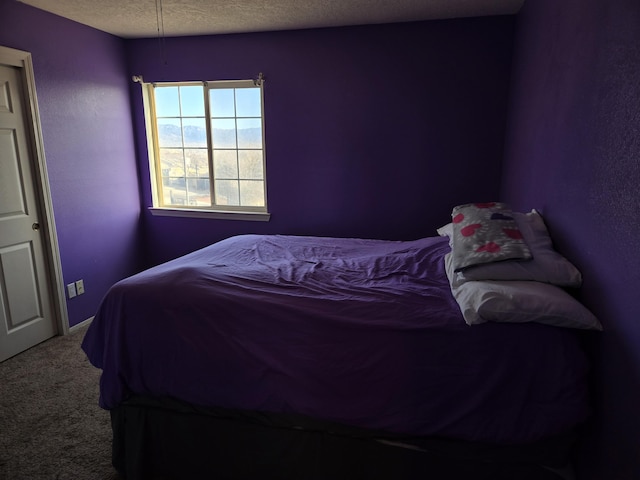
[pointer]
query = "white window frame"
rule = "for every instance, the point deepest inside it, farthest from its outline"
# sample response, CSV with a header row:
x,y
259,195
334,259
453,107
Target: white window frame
x,y
233,212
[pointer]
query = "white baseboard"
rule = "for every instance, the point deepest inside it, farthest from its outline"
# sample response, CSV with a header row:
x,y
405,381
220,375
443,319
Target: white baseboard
x,y
84,323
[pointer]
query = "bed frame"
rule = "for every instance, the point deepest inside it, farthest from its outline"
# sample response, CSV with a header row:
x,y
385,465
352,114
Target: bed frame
x,y
166,439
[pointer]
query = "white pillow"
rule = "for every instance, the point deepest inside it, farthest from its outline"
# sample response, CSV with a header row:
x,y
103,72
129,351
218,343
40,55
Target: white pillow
x,y
518,302
547,265
447,231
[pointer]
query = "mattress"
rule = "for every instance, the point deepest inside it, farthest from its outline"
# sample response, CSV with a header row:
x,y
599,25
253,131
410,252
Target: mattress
x,y
363,333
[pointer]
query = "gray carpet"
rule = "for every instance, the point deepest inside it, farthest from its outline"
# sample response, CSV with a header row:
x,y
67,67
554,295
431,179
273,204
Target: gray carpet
x,y
50,424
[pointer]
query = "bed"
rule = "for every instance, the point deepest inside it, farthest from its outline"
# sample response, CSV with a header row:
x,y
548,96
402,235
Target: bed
x,y
274,356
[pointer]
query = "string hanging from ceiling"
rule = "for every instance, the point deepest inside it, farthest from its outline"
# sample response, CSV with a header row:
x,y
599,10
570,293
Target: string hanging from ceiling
x,y
161,36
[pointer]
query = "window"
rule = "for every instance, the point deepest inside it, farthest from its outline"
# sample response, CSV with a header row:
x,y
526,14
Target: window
x,y
206,148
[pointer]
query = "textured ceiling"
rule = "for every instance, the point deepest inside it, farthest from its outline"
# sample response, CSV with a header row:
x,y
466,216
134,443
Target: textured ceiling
x,y
146,18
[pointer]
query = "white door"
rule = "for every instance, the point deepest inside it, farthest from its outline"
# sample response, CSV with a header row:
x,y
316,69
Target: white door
x,y
26,307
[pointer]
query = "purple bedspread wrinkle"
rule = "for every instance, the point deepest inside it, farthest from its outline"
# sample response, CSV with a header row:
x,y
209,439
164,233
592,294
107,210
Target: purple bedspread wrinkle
x,y
361,332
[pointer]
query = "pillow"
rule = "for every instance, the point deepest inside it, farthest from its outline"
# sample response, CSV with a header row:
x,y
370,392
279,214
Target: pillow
x,y
447,231
485,233
547,265
518,302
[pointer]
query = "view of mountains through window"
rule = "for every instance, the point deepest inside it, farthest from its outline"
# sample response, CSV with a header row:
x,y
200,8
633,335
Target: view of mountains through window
x,y
236,145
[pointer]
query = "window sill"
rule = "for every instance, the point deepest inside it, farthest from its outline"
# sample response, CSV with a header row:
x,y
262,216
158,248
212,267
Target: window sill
x,y
220,215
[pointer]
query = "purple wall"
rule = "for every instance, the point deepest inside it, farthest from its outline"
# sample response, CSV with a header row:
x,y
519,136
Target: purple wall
x,y
573,151
83,95
371,131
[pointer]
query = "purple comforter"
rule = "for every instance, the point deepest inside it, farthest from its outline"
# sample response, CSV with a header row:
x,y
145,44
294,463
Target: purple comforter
x,y
361,332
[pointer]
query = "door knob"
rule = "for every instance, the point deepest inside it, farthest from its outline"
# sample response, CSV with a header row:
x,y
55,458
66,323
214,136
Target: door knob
x,y
36,226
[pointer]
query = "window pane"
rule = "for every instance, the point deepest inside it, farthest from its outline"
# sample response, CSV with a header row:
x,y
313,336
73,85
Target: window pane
x,y
167,104
192,101
174,197
199,193
248,102
175,182
252,193
227,192
172,162
196,162
222,102
223,133
225,164
195,133
174,189
169,132
250,164
249,133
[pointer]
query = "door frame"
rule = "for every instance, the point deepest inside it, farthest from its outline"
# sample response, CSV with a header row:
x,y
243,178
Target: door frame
x,y
55,283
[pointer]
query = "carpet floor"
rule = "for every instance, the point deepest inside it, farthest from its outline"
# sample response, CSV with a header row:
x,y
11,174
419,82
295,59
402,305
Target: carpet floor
x,y
51,427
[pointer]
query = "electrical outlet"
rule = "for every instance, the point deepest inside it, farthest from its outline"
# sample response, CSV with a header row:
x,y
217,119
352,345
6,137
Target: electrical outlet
x,y
80,287
71,290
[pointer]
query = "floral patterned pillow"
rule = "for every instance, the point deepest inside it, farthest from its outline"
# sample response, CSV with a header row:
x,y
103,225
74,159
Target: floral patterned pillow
x,y
485,233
